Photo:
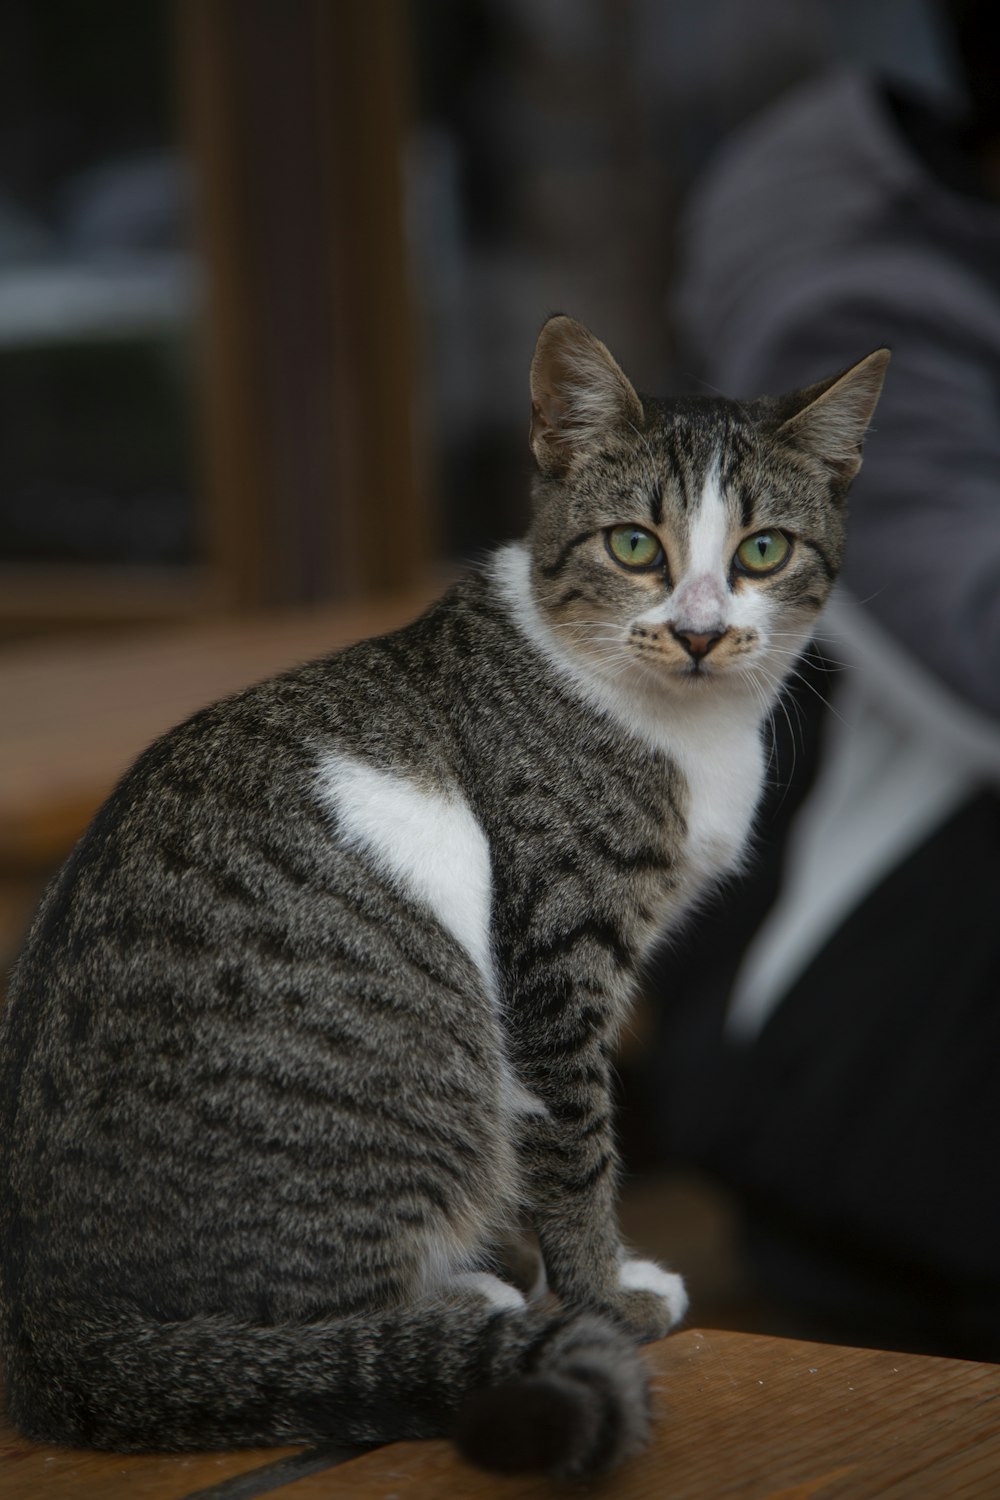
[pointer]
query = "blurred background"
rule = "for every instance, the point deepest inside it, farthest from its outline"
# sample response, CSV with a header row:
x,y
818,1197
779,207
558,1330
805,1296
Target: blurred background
x,y
260,263
270,279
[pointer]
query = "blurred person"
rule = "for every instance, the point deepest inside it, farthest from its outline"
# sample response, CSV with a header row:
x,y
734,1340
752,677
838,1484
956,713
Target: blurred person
x,y
829,1034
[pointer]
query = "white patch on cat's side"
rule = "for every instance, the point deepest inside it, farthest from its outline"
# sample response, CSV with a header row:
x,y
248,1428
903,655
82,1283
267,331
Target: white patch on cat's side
x,y
647,1276
430,842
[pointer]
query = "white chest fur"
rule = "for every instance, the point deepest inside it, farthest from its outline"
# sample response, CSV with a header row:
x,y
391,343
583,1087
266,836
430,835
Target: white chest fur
x,y
722,761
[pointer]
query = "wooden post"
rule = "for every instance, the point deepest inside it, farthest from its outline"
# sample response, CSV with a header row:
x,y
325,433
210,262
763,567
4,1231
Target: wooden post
x,y
296,116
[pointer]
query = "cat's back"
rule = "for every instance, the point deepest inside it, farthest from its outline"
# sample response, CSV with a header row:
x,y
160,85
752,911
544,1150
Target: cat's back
x,y
217,850
215,969
225,807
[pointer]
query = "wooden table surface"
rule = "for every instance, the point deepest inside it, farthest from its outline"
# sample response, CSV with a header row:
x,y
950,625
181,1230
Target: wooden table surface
x,y
737,1415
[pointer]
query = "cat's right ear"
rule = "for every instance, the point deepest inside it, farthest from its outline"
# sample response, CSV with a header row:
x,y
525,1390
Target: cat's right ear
x,y
578,392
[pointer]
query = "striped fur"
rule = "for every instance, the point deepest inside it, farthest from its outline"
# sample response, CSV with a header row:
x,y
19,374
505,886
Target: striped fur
x,y
326,999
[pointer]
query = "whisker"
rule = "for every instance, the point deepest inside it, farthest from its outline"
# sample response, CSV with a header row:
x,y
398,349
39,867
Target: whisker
x,y
794,674
757,692
828,668
821,659
783,703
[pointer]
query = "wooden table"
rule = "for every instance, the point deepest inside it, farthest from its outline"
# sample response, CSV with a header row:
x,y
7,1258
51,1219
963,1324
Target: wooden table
x,y
737,1415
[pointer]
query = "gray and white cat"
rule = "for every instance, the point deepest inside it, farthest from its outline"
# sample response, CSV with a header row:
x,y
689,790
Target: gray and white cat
x,y
326,998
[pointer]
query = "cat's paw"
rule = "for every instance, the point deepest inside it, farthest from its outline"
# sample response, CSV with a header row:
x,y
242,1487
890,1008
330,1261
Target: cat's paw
x,y
649,1301
501,1296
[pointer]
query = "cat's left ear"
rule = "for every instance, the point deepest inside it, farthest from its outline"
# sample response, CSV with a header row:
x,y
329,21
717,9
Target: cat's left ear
x,y
830,418
578,393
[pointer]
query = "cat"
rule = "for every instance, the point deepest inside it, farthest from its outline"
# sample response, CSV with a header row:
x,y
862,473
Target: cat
x,y
326,998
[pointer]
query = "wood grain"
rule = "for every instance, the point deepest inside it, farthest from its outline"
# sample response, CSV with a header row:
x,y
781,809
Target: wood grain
x,y
28,1472
757,1418
737,1415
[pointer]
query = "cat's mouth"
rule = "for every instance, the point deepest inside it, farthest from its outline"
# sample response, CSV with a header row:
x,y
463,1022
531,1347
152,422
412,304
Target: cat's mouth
x,y
665,651
672,675
699,675
695,657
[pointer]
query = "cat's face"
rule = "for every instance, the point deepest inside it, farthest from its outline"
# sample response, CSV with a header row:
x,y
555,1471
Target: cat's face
x,y
687,547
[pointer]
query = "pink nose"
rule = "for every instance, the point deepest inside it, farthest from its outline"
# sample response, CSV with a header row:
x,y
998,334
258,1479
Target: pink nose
x,y
696,643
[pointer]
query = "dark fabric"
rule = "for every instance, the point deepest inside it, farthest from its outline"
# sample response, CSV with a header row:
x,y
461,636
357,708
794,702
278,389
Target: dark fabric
x,y
862,1128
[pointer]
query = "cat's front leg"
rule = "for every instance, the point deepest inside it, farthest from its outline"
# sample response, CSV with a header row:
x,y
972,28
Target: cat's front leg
x,y
652,1300
569,1162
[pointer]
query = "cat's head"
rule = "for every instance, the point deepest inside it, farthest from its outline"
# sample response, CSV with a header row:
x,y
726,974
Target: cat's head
x,y
686,547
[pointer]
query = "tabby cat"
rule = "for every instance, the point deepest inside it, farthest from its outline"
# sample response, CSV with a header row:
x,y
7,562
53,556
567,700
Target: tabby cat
x,y
325,1001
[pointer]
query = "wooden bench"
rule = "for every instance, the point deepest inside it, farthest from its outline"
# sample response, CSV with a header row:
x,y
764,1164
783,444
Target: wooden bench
x,y
736,1415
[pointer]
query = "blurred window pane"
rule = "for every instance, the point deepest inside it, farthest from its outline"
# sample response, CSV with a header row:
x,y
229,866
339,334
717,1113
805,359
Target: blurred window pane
x,y
97,289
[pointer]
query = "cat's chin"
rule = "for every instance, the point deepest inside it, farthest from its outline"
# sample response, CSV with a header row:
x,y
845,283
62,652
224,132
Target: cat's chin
x,y
704,685
699,682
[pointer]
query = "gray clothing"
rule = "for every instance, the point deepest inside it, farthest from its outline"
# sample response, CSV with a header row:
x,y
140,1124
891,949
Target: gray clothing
x,y
835,1069
819,235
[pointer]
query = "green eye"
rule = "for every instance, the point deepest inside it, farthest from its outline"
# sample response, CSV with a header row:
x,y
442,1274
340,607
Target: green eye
x,y
634,547
762,553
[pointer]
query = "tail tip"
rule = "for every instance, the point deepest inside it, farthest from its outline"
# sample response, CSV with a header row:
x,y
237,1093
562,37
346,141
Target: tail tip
x,y
552,1423
536,1423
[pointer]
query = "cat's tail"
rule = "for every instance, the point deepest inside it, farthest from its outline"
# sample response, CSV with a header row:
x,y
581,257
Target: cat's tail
x,y
516,1387
576,1408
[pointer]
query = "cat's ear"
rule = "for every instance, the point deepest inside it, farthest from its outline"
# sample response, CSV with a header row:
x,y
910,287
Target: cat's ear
x,y
578,393
829,419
